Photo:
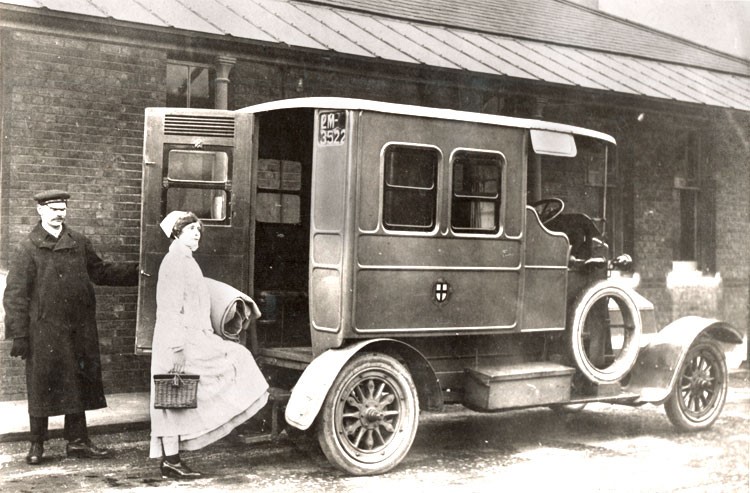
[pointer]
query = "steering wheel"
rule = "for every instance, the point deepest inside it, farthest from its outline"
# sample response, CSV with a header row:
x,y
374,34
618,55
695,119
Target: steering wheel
x,y
548,209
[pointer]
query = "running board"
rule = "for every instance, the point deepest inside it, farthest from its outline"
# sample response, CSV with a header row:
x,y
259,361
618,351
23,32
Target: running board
x,y
622,398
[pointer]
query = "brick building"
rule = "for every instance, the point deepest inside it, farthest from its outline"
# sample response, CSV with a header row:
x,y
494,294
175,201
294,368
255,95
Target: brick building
x,y
76,76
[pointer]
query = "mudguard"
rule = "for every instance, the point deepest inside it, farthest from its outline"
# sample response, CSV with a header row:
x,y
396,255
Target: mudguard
x,y
313,385
655,370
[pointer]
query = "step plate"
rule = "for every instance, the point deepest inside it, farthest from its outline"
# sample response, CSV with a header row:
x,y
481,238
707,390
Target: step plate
x,y
529,384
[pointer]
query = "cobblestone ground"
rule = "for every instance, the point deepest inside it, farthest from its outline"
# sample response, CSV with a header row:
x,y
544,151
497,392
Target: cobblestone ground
x,y
601,449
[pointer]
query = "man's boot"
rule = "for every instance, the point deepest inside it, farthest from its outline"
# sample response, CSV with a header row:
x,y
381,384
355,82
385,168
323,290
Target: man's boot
x,y
84,449
34,457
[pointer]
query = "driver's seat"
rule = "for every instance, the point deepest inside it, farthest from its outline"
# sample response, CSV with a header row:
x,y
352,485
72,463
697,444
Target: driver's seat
x,y
581,232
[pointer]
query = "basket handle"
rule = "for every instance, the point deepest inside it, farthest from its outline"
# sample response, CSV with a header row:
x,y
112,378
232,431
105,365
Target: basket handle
x,y
177,379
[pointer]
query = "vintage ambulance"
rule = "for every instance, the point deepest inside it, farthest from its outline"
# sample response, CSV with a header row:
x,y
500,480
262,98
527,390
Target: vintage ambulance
x,y
406,257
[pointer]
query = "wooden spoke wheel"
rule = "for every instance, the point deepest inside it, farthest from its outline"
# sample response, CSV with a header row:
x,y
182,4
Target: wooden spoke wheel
x,y
370,415
700,390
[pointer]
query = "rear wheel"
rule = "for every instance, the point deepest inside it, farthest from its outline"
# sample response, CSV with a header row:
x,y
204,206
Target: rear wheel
x,y
700,390
370,415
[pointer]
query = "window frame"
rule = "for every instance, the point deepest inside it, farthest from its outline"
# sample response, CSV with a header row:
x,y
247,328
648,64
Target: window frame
x,y
691,179
176,183
499,201
437,181
190,65
281,191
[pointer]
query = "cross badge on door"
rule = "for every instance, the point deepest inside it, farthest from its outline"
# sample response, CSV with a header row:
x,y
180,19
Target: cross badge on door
x,y
442,290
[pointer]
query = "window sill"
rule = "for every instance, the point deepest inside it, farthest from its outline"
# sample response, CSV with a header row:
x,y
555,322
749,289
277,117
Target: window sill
x,y
687,275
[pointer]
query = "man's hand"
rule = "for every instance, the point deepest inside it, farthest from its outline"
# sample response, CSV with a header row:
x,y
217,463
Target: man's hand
x,y
20,348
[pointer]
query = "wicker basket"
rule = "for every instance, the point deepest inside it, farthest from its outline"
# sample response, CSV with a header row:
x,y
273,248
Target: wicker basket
x,y
176,391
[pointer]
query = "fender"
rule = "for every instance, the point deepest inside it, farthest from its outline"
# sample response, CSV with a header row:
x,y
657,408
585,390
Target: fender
x,y
655,370
313,385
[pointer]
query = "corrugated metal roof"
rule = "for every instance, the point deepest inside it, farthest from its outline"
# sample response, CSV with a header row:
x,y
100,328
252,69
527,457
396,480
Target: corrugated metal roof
x,y
555,21
520,39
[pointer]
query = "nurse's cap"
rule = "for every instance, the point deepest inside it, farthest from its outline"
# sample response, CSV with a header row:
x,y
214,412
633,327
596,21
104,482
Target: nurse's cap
x,y
49,196
167,224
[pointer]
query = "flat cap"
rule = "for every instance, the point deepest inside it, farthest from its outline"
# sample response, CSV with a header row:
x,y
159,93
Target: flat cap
x,y
49,196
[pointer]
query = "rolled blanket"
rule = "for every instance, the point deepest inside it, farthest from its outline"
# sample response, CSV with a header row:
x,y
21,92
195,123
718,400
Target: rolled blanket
x,y
231,309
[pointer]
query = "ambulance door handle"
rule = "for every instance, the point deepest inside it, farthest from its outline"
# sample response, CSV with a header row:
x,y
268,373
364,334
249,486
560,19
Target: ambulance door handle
x,y
145,274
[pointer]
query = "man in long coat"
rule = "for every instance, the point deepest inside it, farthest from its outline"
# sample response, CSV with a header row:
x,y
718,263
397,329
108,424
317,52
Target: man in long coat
x,y
50,312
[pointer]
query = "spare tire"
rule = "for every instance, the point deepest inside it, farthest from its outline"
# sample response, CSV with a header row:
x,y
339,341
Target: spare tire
x,y
605,331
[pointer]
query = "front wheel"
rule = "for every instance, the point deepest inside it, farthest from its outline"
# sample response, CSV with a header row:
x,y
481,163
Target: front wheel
x,y
370,415
700,389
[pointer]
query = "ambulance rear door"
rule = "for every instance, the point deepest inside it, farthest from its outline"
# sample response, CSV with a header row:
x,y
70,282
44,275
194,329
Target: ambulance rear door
x,y
195,160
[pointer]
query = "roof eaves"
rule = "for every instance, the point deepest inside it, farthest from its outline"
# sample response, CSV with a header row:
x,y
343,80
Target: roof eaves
x,y
515,35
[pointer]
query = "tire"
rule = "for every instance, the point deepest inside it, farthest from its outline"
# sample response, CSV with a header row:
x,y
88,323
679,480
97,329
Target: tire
x,y
370,415
592,315
700,389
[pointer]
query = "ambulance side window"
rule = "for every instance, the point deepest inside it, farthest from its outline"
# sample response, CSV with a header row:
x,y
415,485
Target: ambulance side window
x,y
410,187
476,198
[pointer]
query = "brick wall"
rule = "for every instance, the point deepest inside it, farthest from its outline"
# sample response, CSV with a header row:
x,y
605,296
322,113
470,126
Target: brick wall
x,y
253,83
73,113
74,120
653,205
656,211
730,159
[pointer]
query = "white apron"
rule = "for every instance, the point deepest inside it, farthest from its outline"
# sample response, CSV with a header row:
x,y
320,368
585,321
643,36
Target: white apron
x,y
231,389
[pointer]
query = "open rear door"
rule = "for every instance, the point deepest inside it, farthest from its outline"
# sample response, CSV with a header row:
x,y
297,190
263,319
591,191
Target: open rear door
x,y
200,161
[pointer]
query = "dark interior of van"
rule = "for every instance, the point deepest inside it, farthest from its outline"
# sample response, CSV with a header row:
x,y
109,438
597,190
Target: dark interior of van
x,y
282,227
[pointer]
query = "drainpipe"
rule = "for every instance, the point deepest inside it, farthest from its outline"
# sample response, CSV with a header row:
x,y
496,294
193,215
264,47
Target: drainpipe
x,y
224,65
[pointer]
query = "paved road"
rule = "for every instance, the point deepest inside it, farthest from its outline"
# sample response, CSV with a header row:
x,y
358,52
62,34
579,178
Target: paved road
x,y
601,449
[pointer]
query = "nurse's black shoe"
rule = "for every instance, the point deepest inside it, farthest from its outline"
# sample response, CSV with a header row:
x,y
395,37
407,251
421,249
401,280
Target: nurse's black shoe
x,y
34,457
178,471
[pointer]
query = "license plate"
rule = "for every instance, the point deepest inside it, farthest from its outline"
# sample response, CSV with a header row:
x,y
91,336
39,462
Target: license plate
x,y
332,128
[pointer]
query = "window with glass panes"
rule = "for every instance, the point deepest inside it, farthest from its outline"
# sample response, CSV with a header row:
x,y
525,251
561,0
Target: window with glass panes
x,y
694,229
190,85
279,187
198,181
475,205
410,187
